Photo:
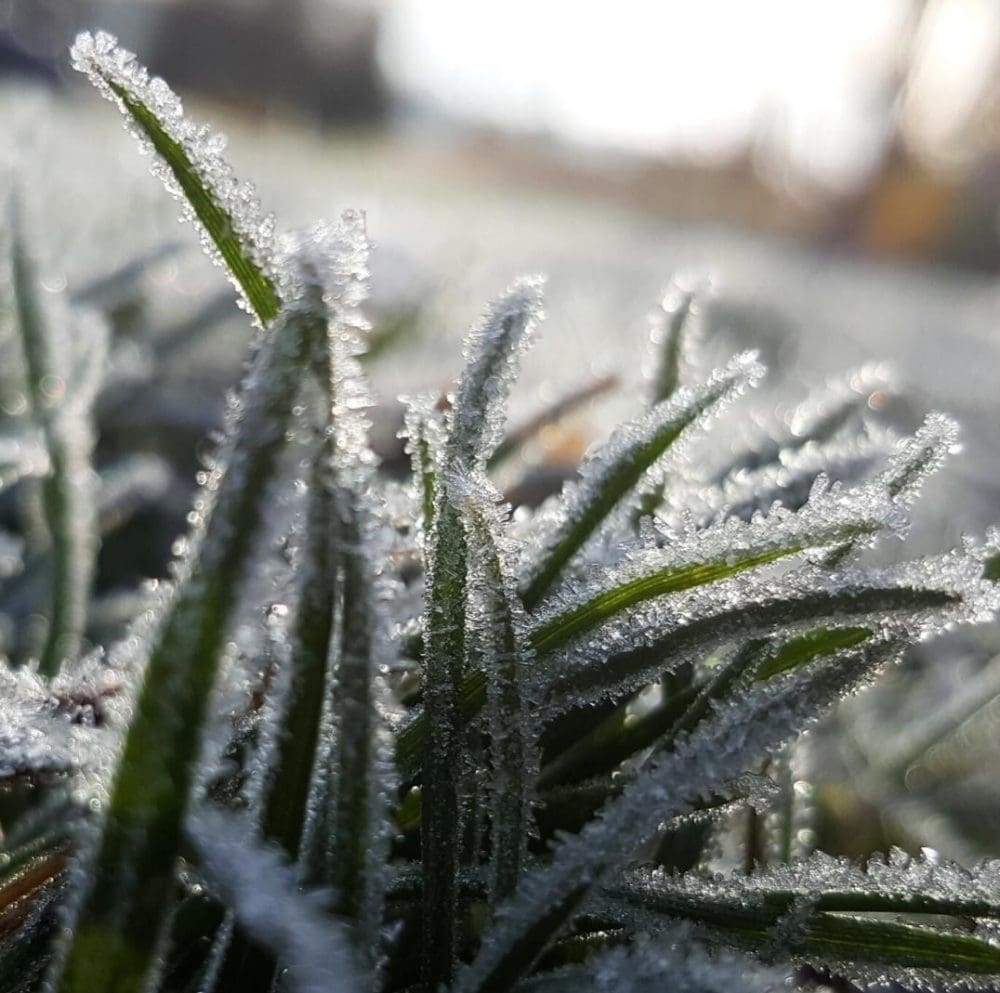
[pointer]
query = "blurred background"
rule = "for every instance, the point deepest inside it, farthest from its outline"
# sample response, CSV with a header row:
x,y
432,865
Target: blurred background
x,y
833,169
870,126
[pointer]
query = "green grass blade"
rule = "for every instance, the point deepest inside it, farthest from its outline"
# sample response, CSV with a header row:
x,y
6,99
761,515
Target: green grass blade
x,y
474,429
621,673
820,889
496,640
444,662
670,337
809,646
360,758
492,349
191,166
424,444
118,923
555,633
300,727
67,490
613,474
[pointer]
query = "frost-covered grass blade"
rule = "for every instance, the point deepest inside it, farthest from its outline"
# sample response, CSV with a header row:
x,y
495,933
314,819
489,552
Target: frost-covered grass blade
x,y
190,163
824,903
613,473
114,942
62,409
497,644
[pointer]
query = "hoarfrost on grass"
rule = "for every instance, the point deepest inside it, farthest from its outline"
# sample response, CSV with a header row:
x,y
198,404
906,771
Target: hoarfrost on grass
x,y
117,74
264,892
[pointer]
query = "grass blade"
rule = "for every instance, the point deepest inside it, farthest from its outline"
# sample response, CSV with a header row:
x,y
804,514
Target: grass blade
x,y
67,490
188,160
612,475
673,329
492,349
717,753
120,917
555,633
424,433
817,892
444,666
361,774
496,636
623,673
475,427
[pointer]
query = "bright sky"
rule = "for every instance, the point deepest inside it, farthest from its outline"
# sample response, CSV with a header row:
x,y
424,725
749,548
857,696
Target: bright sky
x,y
696,78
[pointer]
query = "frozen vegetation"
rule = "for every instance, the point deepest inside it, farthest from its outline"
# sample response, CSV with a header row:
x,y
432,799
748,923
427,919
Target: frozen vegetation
x,y
377,734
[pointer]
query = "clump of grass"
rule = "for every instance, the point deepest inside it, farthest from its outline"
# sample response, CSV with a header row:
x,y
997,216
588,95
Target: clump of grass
x,y
432,744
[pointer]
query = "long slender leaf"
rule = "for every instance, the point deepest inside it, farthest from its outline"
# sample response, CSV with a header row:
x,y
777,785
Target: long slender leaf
x,y
626,671
67,490
612,475
361,783
671,338
120,917
189,161
555,633
496,639
424,444
717,752
819,892
474,429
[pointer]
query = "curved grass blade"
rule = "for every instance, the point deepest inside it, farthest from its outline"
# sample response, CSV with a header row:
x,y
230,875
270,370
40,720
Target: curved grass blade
x,y
613,473
816,892
671,337
882,604
492,349
131,872
67,490
718,752
555,633
188,160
